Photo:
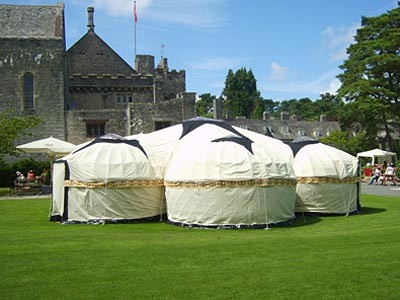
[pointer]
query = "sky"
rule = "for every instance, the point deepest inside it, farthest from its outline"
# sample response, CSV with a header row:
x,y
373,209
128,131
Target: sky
x,y
294,48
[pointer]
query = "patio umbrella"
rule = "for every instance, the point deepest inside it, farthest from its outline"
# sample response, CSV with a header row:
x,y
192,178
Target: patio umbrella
x,y
51,146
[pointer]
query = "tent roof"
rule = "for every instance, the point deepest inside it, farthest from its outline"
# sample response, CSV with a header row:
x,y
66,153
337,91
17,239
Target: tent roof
x,y
48,145
376,153
320,160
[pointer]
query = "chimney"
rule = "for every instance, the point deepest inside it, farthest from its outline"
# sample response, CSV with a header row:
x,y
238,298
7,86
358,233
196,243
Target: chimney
x,y
217,108
90,25
284,116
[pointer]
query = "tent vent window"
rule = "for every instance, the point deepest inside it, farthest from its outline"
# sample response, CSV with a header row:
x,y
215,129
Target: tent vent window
x,y
28,91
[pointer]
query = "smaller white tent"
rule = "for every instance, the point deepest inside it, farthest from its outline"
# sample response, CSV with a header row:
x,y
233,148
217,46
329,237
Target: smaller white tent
x,y
109,179
327,178
378,155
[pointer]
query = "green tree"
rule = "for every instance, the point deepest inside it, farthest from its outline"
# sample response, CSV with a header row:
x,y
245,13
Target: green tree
x,y
12,127
371,74
348,142
329,105
241,97
302,108
204,106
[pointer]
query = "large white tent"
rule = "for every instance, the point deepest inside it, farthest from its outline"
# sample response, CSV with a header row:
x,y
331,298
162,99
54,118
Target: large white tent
x,y
108,179
219,177
378,155
327,178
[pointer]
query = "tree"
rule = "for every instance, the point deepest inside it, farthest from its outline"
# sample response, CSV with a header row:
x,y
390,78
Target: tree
x,y
371,74
12,127
329,105
240,94
204,106
350,143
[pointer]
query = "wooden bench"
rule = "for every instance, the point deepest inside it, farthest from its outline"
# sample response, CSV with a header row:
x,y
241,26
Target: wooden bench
x,y
26,187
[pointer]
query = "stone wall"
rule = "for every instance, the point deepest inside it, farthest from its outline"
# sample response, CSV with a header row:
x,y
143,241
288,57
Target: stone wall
x,y
142,117
45,60
115,122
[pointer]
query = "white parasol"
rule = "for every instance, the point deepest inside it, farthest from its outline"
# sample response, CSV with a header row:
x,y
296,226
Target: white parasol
x,y
49,145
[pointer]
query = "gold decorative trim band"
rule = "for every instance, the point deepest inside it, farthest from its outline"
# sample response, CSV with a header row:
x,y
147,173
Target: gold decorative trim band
x,y
315,180
232,183
114,184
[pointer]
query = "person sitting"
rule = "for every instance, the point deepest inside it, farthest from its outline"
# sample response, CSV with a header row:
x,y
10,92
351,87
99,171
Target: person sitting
x,y
44,175
31,175
376,175
389,174
20,178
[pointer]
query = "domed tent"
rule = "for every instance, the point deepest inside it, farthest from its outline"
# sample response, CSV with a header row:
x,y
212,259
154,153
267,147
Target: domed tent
x,y
160,144
327,178
108,179
225,179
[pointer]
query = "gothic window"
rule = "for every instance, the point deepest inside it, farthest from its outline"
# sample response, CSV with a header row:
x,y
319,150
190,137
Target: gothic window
x,y
28,91
95,128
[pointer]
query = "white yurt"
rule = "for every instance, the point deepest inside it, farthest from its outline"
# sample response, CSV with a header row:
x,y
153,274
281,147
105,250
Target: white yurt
x,y
224,179
328,179
160,144
110,179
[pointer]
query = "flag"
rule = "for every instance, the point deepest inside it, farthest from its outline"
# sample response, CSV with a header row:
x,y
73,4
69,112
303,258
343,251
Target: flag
x,y
134,12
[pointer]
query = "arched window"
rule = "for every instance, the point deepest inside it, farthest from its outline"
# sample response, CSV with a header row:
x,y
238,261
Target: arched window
x,y
28,91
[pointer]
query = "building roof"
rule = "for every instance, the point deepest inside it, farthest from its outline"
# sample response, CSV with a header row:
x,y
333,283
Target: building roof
x,y
91,55
32,22
287,130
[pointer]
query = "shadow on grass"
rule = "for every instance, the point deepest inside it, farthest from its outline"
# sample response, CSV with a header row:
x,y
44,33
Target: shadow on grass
x,y
371,210
305,220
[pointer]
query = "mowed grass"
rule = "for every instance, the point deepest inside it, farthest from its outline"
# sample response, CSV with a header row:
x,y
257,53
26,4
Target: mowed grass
x,y
355,257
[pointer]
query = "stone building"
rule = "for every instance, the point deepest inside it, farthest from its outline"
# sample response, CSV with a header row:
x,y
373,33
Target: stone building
x,y
32,48
87,90
286,128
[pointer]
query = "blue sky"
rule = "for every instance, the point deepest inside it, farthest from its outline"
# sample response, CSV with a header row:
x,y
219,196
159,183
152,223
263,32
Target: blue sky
x,y
294,48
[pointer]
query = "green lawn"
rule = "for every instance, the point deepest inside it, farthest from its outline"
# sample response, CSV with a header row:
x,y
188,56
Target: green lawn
x,y
356,257
4,191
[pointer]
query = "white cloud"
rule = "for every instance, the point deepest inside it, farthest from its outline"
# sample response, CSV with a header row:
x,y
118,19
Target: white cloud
x,y
217,64
334,85
337,40
204,14
277,71
323,84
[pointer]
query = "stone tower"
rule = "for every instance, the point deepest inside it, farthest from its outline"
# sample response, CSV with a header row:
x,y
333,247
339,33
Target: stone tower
x,y
32,47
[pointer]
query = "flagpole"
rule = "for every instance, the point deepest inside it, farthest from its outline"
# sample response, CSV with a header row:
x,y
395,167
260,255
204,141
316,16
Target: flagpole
x,y
135,20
